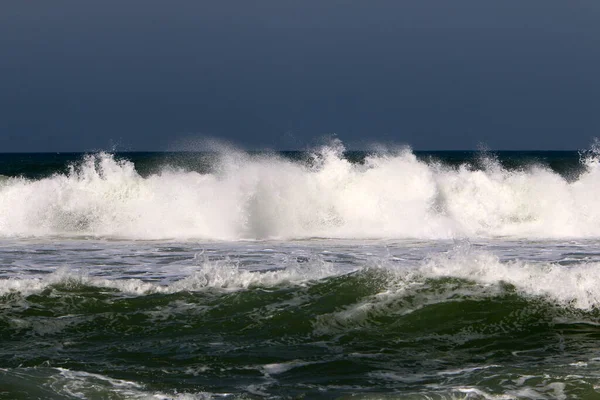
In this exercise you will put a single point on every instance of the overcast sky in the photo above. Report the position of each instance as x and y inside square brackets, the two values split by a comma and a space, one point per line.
[434, 74]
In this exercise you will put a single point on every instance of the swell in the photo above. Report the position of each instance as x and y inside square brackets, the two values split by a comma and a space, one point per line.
[386, 195]
[457, 323]
[381, 300]
[345, 334]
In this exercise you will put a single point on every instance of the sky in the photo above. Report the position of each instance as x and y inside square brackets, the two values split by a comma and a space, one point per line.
[433, 74]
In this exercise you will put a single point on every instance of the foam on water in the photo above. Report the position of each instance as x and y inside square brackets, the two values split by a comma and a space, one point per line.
[69, 384]
[482, 275]
[457, 322]
[222, 275]
[391, 195]
[568, 295]
[576, 286]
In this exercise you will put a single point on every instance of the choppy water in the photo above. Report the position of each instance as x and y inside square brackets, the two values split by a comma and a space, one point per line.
[305, 275]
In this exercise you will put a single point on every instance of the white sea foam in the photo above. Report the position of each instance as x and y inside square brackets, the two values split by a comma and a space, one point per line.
[576, 285]
[44, 382]
[409, 288]
[221, 275]
[405, 287]
[390, 196]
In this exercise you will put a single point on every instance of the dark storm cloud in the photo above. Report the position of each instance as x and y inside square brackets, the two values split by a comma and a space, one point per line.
[434, 74]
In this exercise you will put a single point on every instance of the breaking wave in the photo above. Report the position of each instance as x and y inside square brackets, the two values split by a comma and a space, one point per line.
[390, 195]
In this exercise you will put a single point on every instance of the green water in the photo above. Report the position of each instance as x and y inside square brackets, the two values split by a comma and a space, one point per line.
[337, 337]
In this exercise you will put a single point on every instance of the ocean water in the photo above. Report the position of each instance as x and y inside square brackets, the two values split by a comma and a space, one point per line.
[323, 274]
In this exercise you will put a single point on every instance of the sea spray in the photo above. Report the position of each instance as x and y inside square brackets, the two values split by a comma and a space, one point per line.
[244, 196]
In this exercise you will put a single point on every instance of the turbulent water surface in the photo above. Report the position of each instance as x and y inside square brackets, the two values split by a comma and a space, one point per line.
[317, 275]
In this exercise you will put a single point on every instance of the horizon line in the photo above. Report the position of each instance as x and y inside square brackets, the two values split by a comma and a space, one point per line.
[283, 151]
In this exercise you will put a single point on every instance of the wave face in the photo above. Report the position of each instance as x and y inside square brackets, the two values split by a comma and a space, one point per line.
[321, 194]
[458, 325]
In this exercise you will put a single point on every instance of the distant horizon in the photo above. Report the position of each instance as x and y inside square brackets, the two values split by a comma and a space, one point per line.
[295, 151]
[208, 143]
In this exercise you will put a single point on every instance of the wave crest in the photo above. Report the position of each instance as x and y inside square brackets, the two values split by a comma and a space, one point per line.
[393, 195]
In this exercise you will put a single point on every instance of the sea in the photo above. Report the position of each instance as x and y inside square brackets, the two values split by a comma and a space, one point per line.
[316, 274]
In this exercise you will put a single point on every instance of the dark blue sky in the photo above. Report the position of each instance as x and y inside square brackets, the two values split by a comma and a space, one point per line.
[435, 74]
